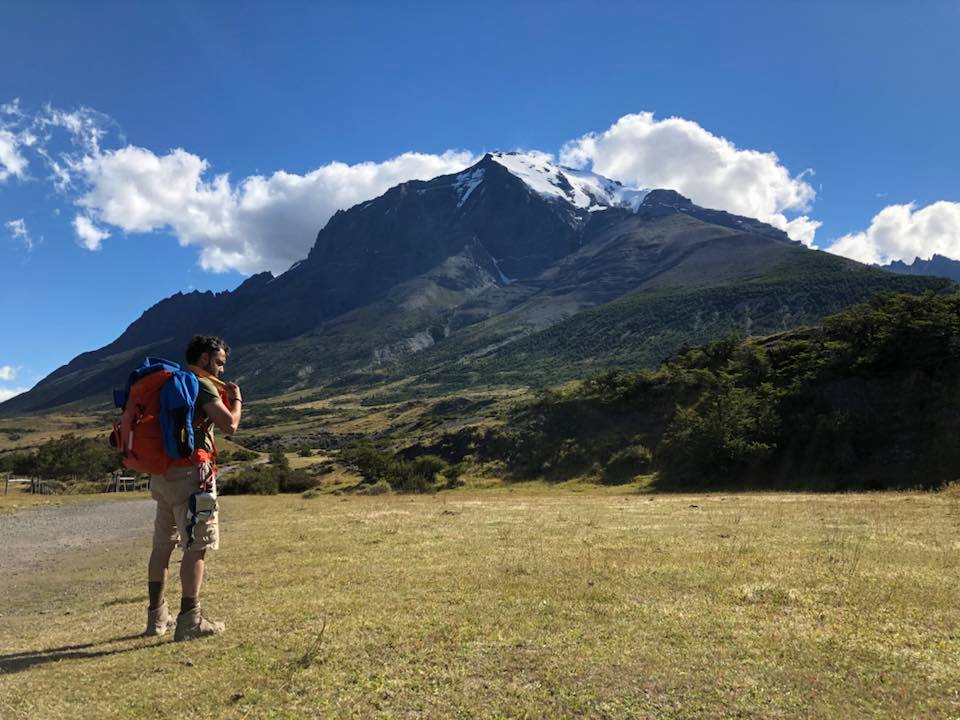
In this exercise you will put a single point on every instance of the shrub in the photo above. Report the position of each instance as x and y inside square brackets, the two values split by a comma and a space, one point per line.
[305, 451]
[452, 474]
[428, 466]
[296, 481]
[378, 488]
[624, 464]
[375, 465]
[235, 456]
[69, 457]
[278, 458]
[256, 481]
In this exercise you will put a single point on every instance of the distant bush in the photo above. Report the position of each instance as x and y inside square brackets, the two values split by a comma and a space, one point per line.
[305, 451]
[452, 474]
[238, 455]
[624, 464]
[278, 457]
[65, 458]
[378, 488]
[268, 480]
[295, 481]
[253, 482]
[374, 465]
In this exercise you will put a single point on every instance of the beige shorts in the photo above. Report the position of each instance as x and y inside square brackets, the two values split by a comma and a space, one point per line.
[173, 521]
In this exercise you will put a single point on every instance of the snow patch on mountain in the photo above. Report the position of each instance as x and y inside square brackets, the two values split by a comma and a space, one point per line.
[466, 183]
[503, 278]
[583, 189]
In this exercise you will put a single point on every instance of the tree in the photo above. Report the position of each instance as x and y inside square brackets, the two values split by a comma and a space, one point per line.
[278, 458]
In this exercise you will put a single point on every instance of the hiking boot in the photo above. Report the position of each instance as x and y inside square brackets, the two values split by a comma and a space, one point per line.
[192, 625]
[157, 621]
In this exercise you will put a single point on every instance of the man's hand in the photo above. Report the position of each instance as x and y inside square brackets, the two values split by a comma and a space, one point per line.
[226, 419]
[233, 391]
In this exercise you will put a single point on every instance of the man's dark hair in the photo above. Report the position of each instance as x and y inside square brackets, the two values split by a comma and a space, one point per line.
[200, 344]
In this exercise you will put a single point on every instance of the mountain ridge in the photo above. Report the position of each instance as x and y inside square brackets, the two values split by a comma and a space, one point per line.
[445, 268]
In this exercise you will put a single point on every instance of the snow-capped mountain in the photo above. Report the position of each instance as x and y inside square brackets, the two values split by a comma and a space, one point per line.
[469, 262]
[581, 188]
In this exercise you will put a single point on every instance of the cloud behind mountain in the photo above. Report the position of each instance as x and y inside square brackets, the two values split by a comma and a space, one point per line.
[269, 221]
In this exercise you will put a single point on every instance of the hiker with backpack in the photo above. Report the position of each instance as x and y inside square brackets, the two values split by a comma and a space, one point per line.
[166, 429]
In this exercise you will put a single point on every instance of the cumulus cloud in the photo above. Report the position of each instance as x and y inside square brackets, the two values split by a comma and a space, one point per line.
[7, 372]
[261, 222]
[267, 222]
[679, 154]
[7, 393]
[15, 136]
[88, 233]
[903, 232]
[18, 231]
[12, 162]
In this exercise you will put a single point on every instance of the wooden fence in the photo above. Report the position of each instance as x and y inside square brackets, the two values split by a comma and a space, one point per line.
[38, 486]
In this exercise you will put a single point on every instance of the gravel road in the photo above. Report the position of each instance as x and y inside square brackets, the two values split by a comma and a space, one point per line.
[35, 537]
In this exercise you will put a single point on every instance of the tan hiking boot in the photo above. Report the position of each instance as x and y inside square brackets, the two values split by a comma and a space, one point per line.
[192, 625]
[157, 621]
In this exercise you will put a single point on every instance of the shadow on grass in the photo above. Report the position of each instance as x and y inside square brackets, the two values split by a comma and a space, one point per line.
[15, 662]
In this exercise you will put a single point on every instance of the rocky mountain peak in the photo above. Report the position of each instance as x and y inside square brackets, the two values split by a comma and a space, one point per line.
[667, 198]
[582, 189]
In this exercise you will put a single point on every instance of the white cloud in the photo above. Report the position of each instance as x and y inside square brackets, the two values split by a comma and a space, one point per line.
[86, 126]
[18, 231]
[90, 235]
[13, 138]
[7, 372]
[7, 393]
[902, 232]
[679, 154]
[262, 222]
[12, 162]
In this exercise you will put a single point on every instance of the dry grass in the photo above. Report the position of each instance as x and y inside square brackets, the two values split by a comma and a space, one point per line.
[518, 604]
[18, 497]
[23, 433]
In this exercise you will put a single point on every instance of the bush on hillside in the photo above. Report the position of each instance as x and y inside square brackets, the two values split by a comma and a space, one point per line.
[627, 463]
[866, 400]
[64, 458]
[278, 458]
[382, 487]
[416, 476]
[267, 480]
[235, 456]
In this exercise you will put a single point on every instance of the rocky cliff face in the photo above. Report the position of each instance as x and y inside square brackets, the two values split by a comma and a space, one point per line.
[936, 266]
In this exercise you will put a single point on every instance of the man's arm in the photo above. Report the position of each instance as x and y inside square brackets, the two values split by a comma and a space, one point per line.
[226, 420]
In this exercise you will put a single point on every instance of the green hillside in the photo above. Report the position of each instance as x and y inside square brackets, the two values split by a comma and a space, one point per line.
[642, 329]
[867, 399]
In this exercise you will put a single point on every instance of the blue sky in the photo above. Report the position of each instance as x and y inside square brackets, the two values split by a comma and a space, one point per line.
[861, 93]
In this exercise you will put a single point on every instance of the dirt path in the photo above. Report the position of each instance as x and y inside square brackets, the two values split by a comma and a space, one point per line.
[36, 537]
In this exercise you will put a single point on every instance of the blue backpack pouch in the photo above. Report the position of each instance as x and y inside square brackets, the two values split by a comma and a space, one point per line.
[178, 399]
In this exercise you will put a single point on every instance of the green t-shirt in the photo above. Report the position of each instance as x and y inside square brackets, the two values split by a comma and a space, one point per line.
[208, 393]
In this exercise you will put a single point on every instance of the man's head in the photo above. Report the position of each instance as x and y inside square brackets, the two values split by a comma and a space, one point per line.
[208, 353]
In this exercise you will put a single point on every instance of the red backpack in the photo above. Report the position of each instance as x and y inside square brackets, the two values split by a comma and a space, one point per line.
[139, 434]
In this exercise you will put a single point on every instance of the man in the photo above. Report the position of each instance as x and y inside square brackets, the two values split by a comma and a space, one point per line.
[180, 518]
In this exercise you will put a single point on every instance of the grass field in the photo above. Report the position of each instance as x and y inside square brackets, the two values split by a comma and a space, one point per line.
[523, 603]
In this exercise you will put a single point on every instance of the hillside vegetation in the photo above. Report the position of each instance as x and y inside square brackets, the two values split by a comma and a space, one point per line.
[867, 399]
[643, 329]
